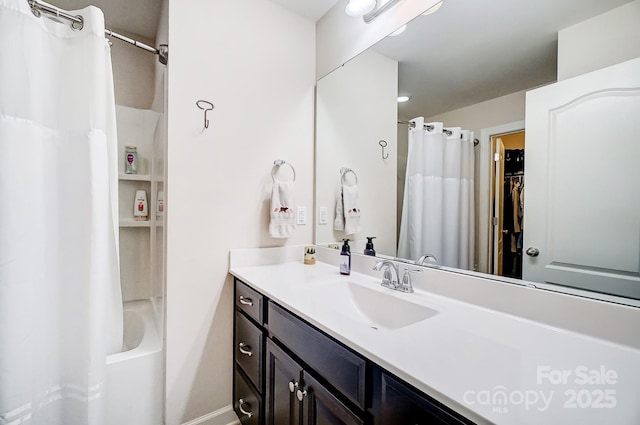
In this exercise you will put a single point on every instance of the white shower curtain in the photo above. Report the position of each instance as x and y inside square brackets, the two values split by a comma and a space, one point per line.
[60, 297]
[438, 208]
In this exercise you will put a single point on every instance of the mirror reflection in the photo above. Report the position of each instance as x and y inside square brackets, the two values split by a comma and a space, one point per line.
[466, 70]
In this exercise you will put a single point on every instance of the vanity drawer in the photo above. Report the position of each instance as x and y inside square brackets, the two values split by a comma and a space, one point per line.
[342, 368]
[248, 345]
[246, 402]
[249, 301]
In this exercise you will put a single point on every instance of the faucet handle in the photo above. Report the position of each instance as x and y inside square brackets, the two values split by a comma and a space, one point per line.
[406, 285]
[390, 276]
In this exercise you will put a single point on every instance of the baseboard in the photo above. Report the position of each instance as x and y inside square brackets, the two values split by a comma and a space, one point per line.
[224, 416]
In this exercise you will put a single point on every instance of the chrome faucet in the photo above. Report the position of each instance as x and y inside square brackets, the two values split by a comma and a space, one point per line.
[390, 277]
[429, 260]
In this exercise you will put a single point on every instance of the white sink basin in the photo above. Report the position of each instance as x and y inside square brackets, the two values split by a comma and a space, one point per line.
[377, 308]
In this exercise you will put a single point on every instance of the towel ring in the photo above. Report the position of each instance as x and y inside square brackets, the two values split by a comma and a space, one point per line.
[276, 166]
[344, 171]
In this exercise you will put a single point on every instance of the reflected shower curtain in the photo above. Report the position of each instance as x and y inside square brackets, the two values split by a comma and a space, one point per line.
[438, 208]
[60, 297]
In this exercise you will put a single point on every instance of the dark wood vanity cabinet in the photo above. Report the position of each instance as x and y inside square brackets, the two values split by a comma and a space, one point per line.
[395, 402]
[294, 397]
[248, 355]
[287, 372]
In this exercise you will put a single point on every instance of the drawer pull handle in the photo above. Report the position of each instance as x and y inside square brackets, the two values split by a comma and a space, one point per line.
[301, 394]
[245, 349]
[293, 385]
[246, 301]
[244, 412]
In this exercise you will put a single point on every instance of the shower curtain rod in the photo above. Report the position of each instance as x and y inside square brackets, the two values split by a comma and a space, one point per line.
[426, 127]
[476, 142]
[77, 22]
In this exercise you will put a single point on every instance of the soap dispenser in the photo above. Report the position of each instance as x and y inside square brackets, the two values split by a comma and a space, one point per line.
[345, 258]
[368, 250]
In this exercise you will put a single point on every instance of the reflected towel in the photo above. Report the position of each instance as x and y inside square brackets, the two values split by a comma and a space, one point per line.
[338, 223]
[283, 223]
[351, 209]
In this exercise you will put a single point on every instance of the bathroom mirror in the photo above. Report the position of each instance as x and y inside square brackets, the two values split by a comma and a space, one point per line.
[471, 59]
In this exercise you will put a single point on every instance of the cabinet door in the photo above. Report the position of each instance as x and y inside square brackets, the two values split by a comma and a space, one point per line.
[320, 407]
[284, 378]
[398, 404]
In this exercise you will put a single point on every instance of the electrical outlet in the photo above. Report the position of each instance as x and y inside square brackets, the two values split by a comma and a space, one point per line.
[301, 215]
[322, 215]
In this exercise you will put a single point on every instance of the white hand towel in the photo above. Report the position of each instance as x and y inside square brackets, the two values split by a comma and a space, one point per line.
[283, 222]
[351, 209]
[338, 223]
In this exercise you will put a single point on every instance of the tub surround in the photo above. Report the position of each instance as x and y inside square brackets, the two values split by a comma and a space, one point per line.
[551, 355]
[134, 376]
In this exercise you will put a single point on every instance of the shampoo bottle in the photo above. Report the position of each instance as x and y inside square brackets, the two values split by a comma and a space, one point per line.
[345, 258]
[368, 250]
[140, 211]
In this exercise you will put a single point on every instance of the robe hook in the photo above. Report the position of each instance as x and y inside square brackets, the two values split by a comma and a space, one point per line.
[206, 107]
[383, 144]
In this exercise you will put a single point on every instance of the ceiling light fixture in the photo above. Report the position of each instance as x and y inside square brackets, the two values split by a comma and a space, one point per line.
[433, 9]
[402, 99]
[398, 31]
[358, 8]
[368, 9]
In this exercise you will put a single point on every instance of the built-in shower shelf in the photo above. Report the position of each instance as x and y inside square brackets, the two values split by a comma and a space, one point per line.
[134, 223]
[135, 177]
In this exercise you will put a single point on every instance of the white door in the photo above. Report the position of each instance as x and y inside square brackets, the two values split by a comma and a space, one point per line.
[582, 193]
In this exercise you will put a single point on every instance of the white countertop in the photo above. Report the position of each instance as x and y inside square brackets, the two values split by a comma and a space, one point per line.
[490, 366]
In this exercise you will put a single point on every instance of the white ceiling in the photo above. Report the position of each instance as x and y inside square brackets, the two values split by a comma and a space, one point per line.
[471, 51]
[312, 9]
[467, 52]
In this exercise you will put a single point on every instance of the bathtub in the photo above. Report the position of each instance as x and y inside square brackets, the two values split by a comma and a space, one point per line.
[135, 376]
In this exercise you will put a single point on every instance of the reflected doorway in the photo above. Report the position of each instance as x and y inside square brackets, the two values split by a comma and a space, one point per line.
[507, 203]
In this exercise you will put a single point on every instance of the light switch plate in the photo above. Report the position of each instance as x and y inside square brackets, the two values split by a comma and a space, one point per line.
[301, 215]
[322, 215]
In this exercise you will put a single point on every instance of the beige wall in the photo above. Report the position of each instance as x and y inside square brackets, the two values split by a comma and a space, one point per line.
[490, 113]
[133, 72]
[255, 61]
[604, 40]
[356, 107]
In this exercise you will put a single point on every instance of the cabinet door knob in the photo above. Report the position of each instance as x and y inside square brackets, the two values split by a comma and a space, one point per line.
[246, 301]
[532, 251]
[241, 402]
[293, 385]
[301, 394]
[245, 349]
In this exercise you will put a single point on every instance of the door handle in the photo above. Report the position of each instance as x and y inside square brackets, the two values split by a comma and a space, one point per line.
[532, 251]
